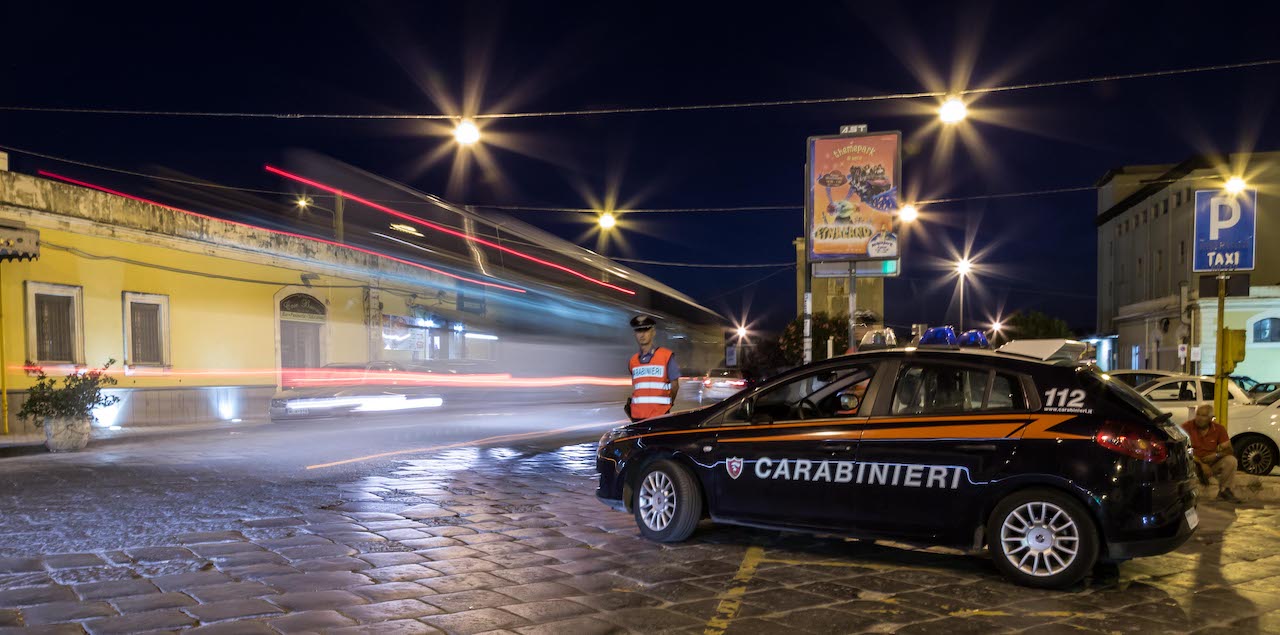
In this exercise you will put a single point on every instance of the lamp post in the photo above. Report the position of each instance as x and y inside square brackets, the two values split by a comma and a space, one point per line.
[963, 267]
[304, 203]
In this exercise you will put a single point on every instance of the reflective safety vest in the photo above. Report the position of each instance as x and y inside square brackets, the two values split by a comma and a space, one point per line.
[650, 386]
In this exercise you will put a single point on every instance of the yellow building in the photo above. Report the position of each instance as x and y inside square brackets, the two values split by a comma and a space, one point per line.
[202, 315]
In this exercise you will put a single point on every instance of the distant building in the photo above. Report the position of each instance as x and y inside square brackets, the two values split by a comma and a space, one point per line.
[1147, 293]
[831, 295]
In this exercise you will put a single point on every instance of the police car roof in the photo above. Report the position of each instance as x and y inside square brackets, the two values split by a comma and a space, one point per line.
[1003, 355]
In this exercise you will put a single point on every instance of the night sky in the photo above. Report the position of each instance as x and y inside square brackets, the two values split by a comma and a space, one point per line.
[422, 57]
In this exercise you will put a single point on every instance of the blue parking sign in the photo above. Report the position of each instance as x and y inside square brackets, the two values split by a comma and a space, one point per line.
[1225, 230]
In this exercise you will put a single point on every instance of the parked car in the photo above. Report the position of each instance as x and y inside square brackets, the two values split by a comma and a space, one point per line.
[1180, 393]
[1254, 387]
[1255, 434]
[1139, 377]
[343, 389]
[722, 383]
[1048, 464]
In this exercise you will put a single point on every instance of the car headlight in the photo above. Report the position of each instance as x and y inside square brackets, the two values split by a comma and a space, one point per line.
[610, 437]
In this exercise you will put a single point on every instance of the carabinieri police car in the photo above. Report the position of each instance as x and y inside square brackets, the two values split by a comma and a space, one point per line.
[1047, 462]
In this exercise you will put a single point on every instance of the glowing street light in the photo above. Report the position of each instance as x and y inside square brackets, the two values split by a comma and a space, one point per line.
[466, 133]
[303, 202]
[908, 213]
[953, 111]
[607, 221]
[1235, 185]
[996, 327]
[742, 332]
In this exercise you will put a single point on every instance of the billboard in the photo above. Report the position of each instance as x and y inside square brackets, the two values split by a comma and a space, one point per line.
[851, 200]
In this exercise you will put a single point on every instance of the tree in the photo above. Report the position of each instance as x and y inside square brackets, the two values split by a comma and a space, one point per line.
[1036, 325]
[824, 326]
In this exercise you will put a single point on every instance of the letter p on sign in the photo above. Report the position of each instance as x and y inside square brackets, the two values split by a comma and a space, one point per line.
[1217, 220]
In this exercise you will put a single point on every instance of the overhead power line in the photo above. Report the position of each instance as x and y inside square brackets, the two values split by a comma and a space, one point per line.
[647, 109]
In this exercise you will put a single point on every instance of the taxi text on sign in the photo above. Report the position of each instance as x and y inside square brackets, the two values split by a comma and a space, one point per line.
[1225, 230]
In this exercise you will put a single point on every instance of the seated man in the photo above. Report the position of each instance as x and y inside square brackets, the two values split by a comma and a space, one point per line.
[1211, 449]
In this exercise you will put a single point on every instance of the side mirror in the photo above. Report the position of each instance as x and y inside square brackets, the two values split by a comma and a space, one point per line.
[849, 402]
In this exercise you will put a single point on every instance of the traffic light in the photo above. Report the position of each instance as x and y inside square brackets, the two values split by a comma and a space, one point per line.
[1234, 352]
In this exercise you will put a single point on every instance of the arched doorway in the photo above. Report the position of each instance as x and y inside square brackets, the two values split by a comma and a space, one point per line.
[302, 320]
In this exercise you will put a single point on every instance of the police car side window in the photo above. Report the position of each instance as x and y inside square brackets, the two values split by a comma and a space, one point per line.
[1006, 394]
[937, 389]
[813, 396]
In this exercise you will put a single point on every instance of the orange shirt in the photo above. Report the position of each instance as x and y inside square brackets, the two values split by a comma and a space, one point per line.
[1205, 444]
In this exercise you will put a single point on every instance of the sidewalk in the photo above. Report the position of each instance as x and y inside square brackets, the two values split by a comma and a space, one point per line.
[34, 443]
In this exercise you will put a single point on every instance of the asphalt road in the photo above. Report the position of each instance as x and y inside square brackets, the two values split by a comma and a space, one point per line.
[138, 490]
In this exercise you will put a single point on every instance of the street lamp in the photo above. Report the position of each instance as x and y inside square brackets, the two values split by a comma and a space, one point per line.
[1235, 185]
[607, 220]
[466, 133]
[742, 332]
[303, 202]
[953, 111]
[963, 267]
[908, 213]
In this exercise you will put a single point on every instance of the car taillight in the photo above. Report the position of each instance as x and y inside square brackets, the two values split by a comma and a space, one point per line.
[738, 382]
[1132, 440]
[707, 383]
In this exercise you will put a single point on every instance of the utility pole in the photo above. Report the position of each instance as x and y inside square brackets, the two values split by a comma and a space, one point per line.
[337, 218]
[1220, 375]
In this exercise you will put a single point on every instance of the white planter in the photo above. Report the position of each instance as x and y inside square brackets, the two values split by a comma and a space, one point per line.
[66, 435]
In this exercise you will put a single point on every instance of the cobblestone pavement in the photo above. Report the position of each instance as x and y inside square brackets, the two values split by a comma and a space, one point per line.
[504, 540]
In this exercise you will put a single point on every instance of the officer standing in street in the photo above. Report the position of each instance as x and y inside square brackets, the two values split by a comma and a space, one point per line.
[655, 376]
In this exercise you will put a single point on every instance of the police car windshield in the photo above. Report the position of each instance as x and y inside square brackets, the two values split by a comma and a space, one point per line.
[1124, 393]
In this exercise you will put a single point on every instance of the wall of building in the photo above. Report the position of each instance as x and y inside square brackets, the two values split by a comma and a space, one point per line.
[1145, 253]
[223, 285]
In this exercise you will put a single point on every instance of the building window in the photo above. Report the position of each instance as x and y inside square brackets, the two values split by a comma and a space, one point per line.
[1139, 267]
[1177, 199]
[1164, 207]
[55, 324]
[1135, 357]
[1267, 330]
[302, 324]
[146, 329]
[1182, 253]
[1159, 260]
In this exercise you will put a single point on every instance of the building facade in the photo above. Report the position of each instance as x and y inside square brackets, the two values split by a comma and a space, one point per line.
[207, 318]
[831, 295]
[1148, 295]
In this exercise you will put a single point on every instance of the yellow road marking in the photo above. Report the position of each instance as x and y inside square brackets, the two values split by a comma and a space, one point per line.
[463, 444]
[731, 600]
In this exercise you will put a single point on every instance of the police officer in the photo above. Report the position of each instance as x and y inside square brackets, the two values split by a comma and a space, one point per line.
[655, 376]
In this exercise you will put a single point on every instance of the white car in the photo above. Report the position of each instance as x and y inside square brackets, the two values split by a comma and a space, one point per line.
[1135, 378]
[1255, 434]
[1181, 393]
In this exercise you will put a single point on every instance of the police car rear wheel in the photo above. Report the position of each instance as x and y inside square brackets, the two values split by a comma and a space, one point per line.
[1042, 538]
[668, 503]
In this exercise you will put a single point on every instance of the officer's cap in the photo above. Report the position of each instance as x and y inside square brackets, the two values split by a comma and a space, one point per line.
[643, 322]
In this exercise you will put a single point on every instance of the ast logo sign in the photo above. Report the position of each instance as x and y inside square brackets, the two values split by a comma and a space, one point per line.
[735, 467]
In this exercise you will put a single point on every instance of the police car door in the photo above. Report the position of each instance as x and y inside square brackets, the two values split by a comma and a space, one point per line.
[783, 452]
[942, 432]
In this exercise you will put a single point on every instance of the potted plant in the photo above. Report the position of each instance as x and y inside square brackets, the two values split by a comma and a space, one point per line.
[66, 412]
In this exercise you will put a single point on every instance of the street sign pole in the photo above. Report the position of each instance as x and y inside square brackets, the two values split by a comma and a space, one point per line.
[1220, 376]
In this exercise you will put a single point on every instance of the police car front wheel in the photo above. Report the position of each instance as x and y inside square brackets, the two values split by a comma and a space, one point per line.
[668, 504]
[1042, 538]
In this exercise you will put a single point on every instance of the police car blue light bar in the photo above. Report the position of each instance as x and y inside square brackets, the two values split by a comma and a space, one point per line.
[974, 339]
[940, 336]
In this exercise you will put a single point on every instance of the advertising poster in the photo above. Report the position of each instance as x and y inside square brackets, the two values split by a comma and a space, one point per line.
[852, 205]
